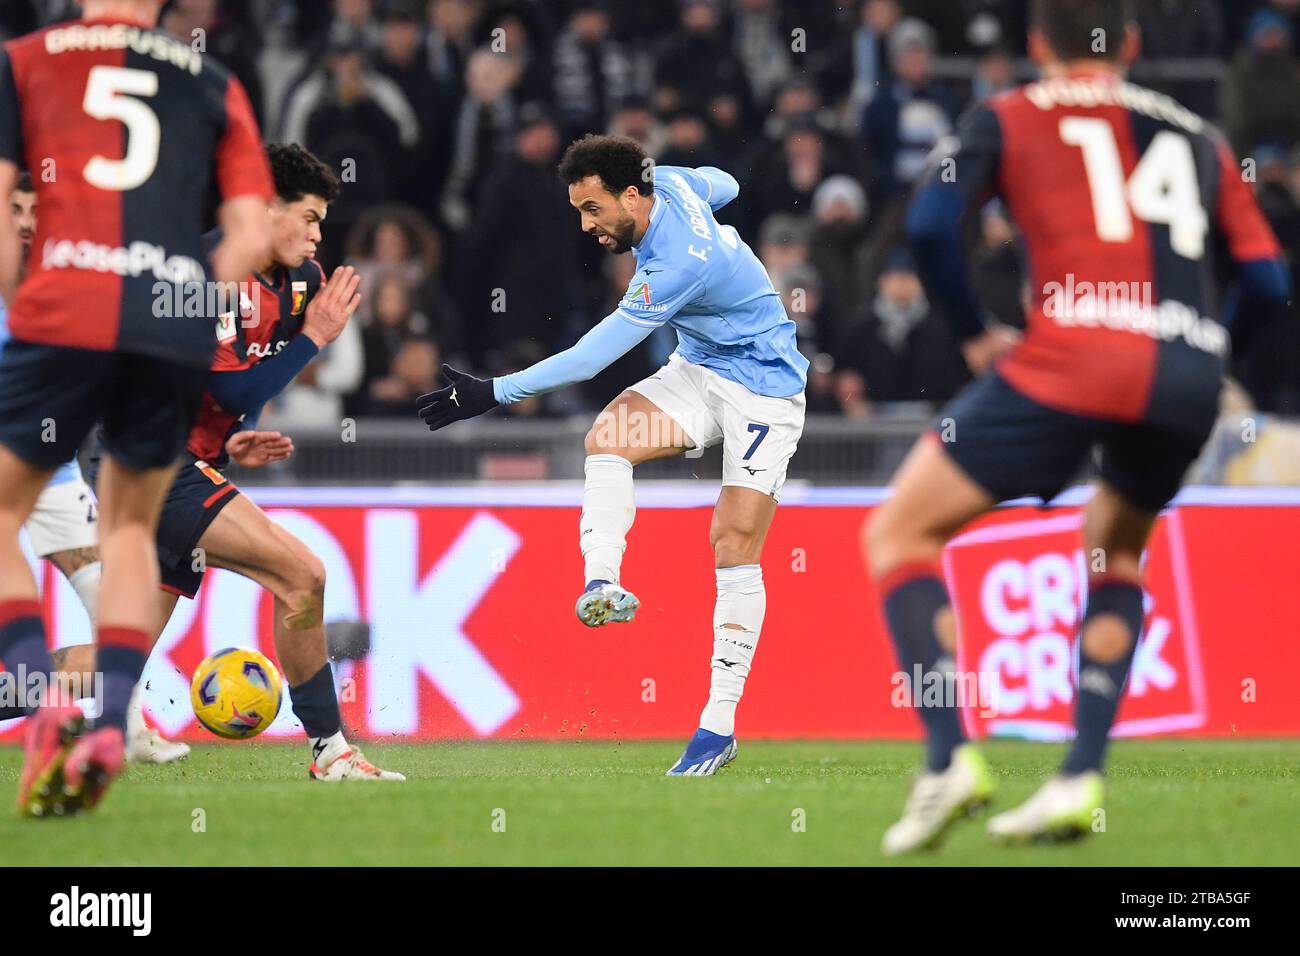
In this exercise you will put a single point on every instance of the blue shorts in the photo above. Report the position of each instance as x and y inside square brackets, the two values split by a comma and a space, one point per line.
[51, 396]
[196, 496]
[1014, 447]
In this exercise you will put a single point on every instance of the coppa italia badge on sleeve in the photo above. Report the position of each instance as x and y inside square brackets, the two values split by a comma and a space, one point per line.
[299, 297]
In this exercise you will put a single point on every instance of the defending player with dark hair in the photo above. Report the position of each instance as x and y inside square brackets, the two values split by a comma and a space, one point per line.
[298, 173]
[24, 184]
[1083, 29]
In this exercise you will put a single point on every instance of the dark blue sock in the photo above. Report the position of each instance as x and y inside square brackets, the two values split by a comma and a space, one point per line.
[119, 658]
[25, 656]
[1101, 683]
[910, 608]
[316, 704]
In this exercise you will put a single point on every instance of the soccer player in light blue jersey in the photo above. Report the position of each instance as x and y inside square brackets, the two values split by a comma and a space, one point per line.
[737, 378]
[64, 530]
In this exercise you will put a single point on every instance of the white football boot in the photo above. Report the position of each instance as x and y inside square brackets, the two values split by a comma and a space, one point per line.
[143, 743]
[345, 762]
[938, 800]
[606, 603]
[1063, 808]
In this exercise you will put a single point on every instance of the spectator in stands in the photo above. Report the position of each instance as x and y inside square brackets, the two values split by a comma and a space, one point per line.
[839, 248]
[870, 52]
[448, 46]
[995, 73]
[353, 23]
[821, 394]
[511, 27]
[414, 372]
[788, 185]
[593, 72]
[524, 245]
[688, 141]
[1258, 99]
[393, 320]
[402, 59]
[800, 288]
[315, 399]
[851, 393]
[484, 129]
[1267, 362]
[908, 117]
[1180, 29]
[784, 242]
[356, 121]
[633, 117]
[903, 350]
[762, 44]
[697, 63]
[517, 357]
[201, 22]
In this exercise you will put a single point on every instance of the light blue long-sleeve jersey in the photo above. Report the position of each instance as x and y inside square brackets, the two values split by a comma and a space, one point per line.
[697, 276]
[71, 470]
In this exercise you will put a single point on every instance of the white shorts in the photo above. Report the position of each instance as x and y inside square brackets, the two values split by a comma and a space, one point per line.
[64, 519]
[758, 433]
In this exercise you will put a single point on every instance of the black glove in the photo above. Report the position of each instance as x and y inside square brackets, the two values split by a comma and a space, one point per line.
[465, 397]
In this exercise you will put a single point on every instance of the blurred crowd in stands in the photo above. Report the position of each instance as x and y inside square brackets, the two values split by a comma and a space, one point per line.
[446, 119]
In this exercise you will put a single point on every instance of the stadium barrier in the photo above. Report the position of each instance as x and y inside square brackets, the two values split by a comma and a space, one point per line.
[468, 593]
[832, 450]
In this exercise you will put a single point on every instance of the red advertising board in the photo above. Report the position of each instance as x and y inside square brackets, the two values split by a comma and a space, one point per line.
[473, 632]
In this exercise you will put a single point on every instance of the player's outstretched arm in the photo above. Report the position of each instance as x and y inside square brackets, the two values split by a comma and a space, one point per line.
[959, 180]
[467, 396]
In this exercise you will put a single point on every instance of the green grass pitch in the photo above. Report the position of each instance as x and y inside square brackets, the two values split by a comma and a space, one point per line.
[1171, 802]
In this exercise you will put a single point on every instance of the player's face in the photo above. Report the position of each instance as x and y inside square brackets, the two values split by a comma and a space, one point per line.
[604, 215]
[295, 230]
[22, 205]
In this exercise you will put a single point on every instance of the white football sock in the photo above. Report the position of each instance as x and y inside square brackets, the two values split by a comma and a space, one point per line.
[608, 507]
[85, 581]
[742, 600]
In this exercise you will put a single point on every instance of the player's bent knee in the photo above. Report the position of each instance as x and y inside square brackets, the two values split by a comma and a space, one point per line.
[1106, 638]
[733, 548]
[304, 610]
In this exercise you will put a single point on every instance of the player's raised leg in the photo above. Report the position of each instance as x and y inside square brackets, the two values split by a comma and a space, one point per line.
[23, 649]
[68, 507]
[130, 500]
[932, 498]
[243, 539]
[632, 429]
[1066, 805]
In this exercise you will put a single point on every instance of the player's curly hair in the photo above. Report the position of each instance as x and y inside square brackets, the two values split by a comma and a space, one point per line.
[1071, 26]
[298, 173]
[619, 161]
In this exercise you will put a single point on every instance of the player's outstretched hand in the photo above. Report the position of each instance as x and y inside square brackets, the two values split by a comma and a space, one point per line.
[332, 306]
[255, 449]
[465, 397]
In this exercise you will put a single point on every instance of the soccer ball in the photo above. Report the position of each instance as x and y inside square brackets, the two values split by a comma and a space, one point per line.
[236, 693]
